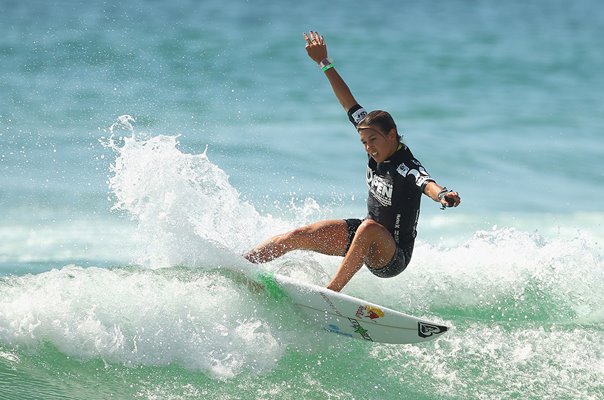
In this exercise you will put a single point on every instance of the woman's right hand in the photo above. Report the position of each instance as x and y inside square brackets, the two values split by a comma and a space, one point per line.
[315, 46]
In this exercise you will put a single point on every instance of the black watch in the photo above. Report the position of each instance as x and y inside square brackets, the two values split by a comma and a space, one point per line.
[325, 62]
[442, 193]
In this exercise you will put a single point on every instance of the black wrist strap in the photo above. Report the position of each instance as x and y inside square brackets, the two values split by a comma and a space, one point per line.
[441, 196]
[442, 193]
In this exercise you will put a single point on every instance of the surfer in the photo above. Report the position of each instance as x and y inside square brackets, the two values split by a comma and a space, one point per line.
[384, 239]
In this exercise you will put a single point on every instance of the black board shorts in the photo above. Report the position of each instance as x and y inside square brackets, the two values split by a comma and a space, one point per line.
[400, 260]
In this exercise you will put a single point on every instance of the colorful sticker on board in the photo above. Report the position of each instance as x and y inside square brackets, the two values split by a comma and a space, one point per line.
[369, 312]
[336, 329]
[364, 333]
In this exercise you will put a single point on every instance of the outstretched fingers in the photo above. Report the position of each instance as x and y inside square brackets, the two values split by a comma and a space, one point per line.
[315, 46]
[313, 38]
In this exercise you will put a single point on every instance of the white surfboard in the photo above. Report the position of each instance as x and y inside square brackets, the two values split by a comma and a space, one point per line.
[352, 317]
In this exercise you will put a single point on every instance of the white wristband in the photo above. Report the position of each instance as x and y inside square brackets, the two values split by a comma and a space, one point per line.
[325, 63]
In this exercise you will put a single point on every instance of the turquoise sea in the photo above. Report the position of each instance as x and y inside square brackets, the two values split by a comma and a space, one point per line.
[146, 144]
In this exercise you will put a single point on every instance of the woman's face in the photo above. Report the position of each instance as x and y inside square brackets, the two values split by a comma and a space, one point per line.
[378, 145]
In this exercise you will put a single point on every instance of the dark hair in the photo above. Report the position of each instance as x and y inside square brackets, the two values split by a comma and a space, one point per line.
[379, 119]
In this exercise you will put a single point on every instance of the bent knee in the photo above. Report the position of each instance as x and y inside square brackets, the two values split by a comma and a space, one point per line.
[370, 227]
[373, 232]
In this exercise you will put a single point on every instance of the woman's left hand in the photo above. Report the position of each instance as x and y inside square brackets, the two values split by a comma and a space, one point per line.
[451, 199]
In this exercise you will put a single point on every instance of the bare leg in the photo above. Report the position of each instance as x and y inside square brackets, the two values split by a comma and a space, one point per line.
[372, 245]
[326, 237]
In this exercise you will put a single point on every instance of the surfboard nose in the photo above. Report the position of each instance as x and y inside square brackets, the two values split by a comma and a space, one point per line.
[426, 330]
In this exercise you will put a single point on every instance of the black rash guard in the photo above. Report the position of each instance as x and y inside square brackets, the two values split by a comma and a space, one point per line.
[395, 190]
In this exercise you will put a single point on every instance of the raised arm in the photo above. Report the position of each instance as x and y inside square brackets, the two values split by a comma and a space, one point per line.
[317, 51]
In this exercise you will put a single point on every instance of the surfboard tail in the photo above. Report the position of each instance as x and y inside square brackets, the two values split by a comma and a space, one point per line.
[271, 286]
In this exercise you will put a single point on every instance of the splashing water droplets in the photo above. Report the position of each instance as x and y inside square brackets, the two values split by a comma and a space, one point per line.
[187, 211]
[123, 122]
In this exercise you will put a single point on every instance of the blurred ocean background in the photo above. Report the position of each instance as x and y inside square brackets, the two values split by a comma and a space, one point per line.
[146, 144]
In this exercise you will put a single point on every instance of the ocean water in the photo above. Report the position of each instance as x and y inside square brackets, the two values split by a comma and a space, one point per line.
[145, 145]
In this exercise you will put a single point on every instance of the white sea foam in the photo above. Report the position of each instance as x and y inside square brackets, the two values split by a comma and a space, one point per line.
[500, 275]
[527, 362]
[187, 211]
[526, 314]
[523, 308]
[203, 322]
